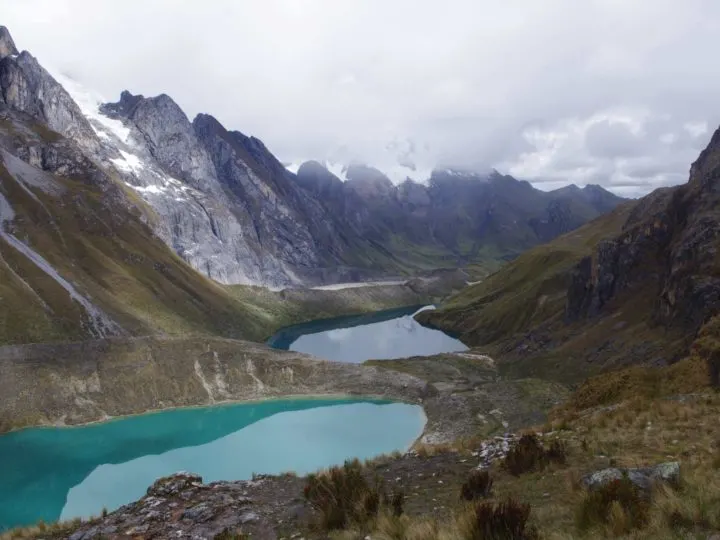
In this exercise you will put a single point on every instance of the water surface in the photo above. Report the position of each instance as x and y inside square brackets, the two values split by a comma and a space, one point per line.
[381, 335]
[61, 473]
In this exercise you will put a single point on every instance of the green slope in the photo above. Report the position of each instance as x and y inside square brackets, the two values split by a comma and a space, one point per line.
[93, 233]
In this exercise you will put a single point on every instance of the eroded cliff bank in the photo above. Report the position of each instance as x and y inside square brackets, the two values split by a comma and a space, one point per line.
[66, 384]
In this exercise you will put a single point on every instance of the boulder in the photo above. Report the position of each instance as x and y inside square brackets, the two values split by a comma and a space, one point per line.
[172, 485]
[644, 478]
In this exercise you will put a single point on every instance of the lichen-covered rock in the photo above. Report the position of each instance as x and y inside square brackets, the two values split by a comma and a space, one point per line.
[170, 486]
[644, 478]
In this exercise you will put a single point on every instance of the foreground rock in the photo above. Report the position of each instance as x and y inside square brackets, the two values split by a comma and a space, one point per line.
[181, 506]
[644, 478]
[268, 507]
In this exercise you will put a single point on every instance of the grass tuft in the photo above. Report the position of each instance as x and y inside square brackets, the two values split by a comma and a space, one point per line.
[529, 455]
[344, 497]
[619, 505]
[477, 486]
[500, 521]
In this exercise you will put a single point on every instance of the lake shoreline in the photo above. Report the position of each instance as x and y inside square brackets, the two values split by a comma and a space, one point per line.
[381, 400]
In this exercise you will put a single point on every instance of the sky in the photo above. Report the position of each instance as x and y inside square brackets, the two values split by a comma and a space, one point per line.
[621, 93]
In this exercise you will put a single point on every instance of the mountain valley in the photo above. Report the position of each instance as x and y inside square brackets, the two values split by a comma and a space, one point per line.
[146, 258]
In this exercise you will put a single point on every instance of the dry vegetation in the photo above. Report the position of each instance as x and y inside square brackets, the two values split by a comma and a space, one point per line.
[633, 433]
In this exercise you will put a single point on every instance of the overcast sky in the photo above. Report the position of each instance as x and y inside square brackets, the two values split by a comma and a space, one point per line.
[624, 93]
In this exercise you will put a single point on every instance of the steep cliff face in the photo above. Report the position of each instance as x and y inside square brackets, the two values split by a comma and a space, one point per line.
[7, 45]
[77, 259]
[670, 245]
[26, 86]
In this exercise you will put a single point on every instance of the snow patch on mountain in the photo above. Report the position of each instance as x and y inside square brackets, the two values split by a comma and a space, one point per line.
[128, 162]
[293, 167]
[89, 102]
[338, 169]
[400, 173]
[397, 173]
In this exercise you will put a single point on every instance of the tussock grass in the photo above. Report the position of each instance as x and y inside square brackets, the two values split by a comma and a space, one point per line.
[529, 455]
[343, 496]
[42, 529]
[618, 505]
[477, 486]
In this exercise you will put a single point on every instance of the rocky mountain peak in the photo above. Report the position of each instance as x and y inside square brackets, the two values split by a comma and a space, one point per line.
[7, 45]
[207, 123]
[26, 86]
[369, 182]
[706, 169]
[122, 108]
[314, 177]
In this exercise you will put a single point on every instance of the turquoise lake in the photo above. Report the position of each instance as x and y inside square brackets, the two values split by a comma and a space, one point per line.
[376, 336]
[61, 473]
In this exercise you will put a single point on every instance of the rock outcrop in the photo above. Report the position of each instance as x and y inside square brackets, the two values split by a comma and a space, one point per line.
[644, 478]
[667, 249]
[26, 86]
[7, 45]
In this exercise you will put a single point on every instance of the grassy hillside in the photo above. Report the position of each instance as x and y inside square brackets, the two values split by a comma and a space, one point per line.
[79, 229]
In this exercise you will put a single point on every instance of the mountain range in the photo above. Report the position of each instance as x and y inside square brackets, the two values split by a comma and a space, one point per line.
[229, 208]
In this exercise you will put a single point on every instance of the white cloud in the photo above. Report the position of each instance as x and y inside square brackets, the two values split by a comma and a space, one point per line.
[696, 129]
[469, 82]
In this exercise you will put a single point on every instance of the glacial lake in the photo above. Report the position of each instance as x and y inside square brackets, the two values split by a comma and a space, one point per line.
[375, 336]
[62, 473]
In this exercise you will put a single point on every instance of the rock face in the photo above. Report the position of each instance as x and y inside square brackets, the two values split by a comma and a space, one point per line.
[668, 248]
[181, 506]
[7, 45]
[26, 86]
[644, 478]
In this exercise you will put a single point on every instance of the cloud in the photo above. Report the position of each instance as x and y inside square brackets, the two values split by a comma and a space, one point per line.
[556, 90]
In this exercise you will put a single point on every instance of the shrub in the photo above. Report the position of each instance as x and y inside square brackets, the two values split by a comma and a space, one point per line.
[557, 453]
[397, 503]
[618, 503]
[713, 365]
[477, 486]
[528, 455]
[503, 521]
[344, 497]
